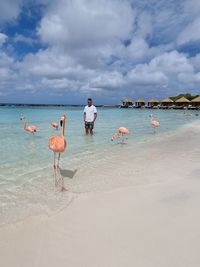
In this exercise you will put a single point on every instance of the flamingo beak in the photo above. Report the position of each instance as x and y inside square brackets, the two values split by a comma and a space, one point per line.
[61, 123]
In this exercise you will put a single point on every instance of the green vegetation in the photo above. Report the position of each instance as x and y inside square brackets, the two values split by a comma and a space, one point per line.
[188, 96]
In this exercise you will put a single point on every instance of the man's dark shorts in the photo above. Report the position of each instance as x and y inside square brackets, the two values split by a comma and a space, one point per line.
[89, 125]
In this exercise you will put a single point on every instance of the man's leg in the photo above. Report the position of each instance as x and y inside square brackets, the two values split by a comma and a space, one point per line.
[91, 128]
[86, 129]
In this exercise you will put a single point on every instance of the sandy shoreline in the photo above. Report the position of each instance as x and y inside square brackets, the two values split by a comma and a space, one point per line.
[152, 221]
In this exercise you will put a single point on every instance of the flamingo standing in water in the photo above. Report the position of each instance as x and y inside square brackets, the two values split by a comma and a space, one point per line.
[54, 125]
[154, 123]
[31, 128]
[58, 145]
[122, 131]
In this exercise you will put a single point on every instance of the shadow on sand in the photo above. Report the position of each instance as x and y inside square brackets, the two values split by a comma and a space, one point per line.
[68, 173]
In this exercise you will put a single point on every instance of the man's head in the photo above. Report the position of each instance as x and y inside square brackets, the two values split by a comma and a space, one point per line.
[89, 101]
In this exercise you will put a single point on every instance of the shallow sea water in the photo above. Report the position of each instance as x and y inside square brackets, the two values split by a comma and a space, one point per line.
[26, 172]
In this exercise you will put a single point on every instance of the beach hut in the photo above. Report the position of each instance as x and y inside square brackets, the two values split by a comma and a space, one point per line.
[196, 102]
[153, 102]
[167, 103]
[126, 103]
[182, 102]
[140, 103]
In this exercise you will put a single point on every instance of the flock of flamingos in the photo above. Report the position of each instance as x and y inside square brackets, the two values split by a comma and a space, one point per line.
[58, 143]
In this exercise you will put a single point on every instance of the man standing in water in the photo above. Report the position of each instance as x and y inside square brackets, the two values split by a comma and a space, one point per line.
[90, 115]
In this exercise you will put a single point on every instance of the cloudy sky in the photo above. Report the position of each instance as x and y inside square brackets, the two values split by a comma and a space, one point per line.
[64, 51]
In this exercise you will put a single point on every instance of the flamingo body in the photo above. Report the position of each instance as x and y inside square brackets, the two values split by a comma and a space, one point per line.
[154, 123]
[123, 130]
[54, 125]
[57, 144]
[30, 128]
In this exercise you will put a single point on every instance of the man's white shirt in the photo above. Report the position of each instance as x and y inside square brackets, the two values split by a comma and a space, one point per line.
[90, 111]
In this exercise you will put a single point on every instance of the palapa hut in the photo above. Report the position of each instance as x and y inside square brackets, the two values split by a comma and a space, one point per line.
[182, 102]
[140, 103]
[153, 102]
[127, 103]
[167, 102]
[196, 102]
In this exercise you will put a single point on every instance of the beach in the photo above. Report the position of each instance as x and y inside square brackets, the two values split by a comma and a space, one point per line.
[142, 211]
[99, 133]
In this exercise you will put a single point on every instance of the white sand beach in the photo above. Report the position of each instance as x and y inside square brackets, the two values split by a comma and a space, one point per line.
[150, 219]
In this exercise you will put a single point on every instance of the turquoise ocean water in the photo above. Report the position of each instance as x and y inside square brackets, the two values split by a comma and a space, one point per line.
[26, 173]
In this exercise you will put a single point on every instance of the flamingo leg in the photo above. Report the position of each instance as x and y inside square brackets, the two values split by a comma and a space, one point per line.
[122, 138]
[58, 165]
[62, 186]
[54, 166]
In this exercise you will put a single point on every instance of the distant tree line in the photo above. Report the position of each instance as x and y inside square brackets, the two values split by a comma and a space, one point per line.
[188, 96]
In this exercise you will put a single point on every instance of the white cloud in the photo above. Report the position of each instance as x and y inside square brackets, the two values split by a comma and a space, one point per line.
[87, 30]
[9, 9]
[138, 49]
[192, 8]
[3, 38]
[195, 61]
[7, 73]
[163, 74]
[190, 33]
[189, 78]
[24, 39]
[108, 80]
[82, 23]
[142, 76]
[145, 25]
[172, 63]
[107, 47]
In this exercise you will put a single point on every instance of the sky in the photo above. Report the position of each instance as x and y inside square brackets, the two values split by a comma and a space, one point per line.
[64, 51]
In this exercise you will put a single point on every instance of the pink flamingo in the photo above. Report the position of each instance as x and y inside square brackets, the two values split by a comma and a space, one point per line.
[54, 125]
[153, 122]
[58, 145]
[31, 128]
[122, 131]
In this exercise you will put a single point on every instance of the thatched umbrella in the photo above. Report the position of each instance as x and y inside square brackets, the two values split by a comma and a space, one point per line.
[153, 102]
[167, 102]
[127, 102]
[196, 101]
[183, 101]
[140, 103]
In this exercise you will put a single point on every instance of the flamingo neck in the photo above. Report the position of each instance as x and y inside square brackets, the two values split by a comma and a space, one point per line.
[63, 128]
[152, 118]
[25, 124]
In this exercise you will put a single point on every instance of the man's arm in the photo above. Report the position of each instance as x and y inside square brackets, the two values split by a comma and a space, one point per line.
[95, 116]
[84, 116]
